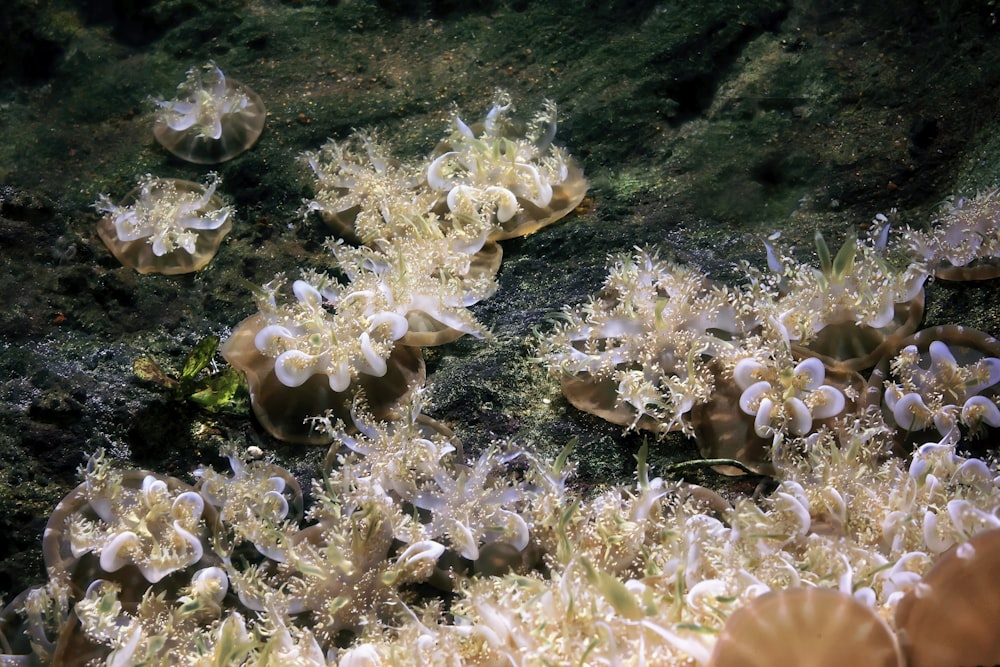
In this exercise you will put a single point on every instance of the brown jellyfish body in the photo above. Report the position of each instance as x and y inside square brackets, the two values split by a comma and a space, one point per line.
[938, 378]
[806, 627]
[20, 637]
[342, 222]
[82, 503]
[424, 330]
[725, 431]
[566, 196]
[856, 347]
[214, 118]
[317, 575]
[984, 269]
[165, 225]
[532, 212]
[639, 354]
[283, 411]
[853, 306]
[379, 185]
[363, 193]
[951, 616]
[532, 216]
[598, 395]
[73, 646]
[963, 244]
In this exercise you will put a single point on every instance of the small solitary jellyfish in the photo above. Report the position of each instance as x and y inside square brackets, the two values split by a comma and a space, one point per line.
[213, 119]
[165, 225]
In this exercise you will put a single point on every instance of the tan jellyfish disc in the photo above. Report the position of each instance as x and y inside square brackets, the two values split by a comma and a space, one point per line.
[425, 331]
[139, 255]
[849, 346]
[343, 222]
[240, 131]
[73, 646]
[968, 345]
[566, 196]
[806, 627]
[282, 410]
[599, 396]
[968, 234]
[56, 544]
[952, 617]
[724, 431]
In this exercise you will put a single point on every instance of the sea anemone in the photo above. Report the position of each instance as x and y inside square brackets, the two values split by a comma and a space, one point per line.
[213, 119]
[165, 225]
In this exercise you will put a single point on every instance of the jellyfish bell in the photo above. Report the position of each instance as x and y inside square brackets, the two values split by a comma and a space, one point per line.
[165, 225]
[213, 119]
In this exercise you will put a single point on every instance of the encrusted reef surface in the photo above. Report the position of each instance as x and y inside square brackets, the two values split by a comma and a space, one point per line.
[701, 127]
